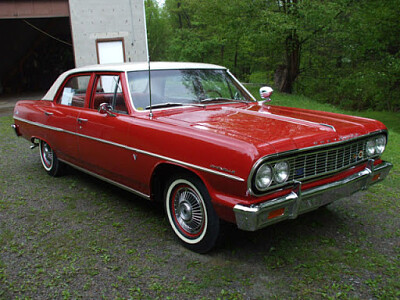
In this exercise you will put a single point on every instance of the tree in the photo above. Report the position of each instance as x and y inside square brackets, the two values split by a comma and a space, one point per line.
[345, 51]
[213, 31]
[293, 26]
[158, 31]
[354, 62]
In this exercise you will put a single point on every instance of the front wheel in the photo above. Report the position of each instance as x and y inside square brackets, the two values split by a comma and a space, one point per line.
[49, 160]
[191, 214]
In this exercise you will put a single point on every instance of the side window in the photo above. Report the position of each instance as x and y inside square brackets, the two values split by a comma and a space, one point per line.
[109, 90]
[74, 91]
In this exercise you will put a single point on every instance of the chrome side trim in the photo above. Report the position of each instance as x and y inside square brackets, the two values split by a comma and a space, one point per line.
[163, 157]
[127, 188]
[179, 162]
[40, 125]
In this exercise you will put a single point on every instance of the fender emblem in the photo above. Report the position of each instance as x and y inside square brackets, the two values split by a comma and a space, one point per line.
[222, 169]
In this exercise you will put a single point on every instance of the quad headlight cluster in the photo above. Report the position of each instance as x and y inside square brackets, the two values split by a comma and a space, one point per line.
[267, 173]
[376, 145]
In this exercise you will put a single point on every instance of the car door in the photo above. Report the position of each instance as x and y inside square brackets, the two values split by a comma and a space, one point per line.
[62, 115]
[102, 137]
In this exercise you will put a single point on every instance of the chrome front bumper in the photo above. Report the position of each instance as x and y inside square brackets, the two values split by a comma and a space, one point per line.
[297, 202]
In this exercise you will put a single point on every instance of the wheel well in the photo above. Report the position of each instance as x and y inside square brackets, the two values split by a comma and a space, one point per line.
[35, 140]
[160, 177]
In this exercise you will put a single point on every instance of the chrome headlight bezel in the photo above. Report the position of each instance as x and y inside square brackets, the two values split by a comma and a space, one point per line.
[380, 144]
[263, 177]
[281, 172]
[376, 145]
[269, 173]
[370, 147]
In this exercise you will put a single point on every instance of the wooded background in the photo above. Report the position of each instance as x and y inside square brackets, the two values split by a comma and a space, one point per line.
[344, 52]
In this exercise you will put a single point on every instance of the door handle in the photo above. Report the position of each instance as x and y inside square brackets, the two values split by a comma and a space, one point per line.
[80, 120]
[48, 113]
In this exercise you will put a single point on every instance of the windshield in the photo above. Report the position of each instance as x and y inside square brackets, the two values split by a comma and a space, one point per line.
[183, 87]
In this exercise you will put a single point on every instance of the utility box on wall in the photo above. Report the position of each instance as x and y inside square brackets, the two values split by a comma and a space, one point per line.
[106, 31]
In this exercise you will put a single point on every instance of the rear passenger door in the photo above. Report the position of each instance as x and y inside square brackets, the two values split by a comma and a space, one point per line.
[102, 136]
[62, 115]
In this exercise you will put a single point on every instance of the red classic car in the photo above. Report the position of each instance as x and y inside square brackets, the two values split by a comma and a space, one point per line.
[192, 137]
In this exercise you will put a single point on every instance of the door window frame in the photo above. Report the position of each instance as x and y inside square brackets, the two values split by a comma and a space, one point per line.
[57, 98]
[95, 80]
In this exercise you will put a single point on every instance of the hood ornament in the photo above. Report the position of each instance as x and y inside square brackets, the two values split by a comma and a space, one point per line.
[265, 93]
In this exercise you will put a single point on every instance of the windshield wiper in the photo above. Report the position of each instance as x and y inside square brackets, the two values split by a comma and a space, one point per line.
[171, 104]
[222, 99]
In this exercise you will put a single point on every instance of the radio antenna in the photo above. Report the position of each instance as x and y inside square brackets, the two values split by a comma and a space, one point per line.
[151, 109]
[148, 57]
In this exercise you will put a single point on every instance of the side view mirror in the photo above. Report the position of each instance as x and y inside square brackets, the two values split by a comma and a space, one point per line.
[265, 93]
[106, 108]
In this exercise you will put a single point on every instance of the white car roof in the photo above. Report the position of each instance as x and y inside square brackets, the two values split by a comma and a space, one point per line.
[126, 67]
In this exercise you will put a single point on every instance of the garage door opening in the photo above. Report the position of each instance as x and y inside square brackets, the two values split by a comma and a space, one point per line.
[35, 51]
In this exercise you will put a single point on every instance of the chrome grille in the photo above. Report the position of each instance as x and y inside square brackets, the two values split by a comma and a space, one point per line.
[315, 162]
[324, 161]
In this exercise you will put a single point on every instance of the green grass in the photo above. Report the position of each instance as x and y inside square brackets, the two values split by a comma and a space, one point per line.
[390, 119]
[75, 237]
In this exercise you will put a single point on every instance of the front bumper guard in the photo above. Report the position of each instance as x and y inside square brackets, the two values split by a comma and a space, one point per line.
[297, 202]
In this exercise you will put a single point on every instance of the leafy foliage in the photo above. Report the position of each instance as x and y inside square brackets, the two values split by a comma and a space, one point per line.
[344, 52]
[158, 31]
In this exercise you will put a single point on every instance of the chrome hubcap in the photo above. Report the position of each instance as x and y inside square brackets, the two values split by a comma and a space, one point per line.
[185, 211]
[47, 155]
[189, 211]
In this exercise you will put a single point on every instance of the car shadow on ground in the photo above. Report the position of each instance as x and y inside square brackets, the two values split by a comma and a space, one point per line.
[322, 222]
[316, 223]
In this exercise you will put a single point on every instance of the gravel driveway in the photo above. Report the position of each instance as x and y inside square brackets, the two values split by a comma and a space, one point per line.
[77, 237]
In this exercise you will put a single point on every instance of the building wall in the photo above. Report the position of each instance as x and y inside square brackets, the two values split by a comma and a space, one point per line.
[13, 9]
[94, 20]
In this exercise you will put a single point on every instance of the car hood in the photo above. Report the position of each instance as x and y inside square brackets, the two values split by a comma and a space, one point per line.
[282, 128]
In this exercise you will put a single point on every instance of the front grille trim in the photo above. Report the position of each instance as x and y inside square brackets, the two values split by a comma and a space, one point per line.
[317, 162]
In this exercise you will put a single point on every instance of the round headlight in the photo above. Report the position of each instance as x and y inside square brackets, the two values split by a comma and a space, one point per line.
[263, 177]
[380, 144]
[281, 172]
[370, 147]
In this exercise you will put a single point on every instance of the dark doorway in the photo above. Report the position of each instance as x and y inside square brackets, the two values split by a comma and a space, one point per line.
[34, 52]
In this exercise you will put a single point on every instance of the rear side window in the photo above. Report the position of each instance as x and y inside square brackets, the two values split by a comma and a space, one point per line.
[74, 91]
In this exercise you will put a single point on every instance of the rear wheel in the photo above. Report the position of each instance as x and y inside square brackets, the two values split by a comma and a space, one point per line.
[190, 213]
[49, 160]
